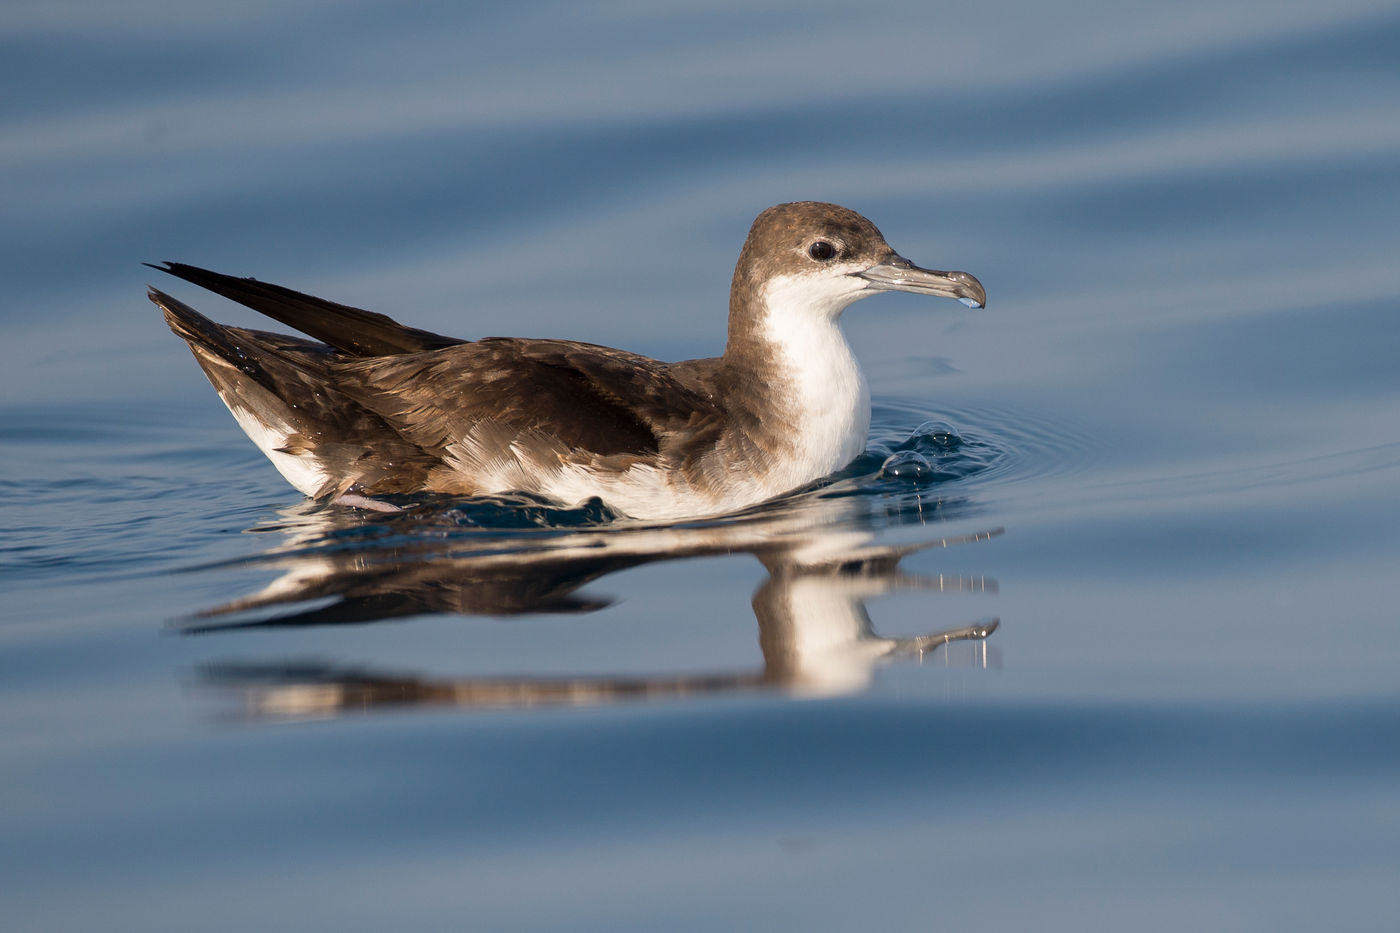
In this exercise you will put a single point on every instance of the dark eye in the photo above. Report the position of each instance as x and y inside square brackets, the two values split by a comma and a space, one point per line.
[821, 251]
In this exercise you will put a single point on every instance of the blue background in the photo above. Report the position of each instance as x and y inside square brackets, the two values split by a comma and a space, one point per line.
[1185, 218]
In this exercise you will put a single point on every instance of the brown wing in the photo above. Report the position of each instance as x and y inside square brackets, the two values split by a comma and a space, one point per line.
[396, 409]
[592, 399]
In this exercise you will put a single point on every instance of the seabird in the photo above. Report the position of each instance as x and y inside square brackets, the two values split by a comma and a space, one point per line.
[369, 407]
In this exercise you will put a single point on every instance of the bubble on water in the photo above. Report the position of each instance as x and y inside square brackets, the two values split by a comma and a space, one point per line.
[939, 433]
[908, 465]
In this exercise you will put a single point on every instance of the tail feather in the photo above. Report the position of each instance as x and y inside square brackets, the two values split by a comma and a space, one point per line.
[282, 393]
[203, 334]
[350, 330]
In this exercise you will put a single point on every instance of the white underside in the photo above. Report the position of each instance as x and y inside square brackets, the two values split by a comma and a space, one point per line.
[301, 471]
[268, 431]
[649, 493]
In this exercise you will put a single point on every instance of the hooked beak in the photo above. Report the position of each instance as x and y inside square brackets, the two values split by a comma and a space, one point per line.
[900, 275]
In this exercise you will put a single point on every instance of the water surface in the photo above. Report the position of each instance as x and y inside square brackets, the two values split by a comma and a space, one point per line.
[1122, 657]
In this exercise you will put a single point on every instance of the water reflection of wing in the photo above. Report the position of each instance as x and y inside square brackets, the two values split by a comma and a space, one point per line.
[414, 570]
[337, 591]
[814, 632]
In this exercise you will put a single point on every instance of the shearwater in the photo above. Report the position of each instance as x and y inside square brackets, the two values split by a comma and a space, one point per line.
[369, 407]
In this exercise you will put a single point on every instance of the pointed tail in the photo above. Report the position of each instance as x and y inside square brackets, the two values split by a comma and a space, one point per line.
[350, 330]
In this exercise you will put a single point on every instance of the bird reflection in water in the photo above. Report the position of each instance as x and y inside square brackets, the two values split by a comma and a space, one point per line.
[816, 638]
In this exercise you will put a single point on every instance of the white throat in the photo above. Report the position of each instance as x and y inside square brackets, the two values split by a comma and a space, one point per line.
[828, 400]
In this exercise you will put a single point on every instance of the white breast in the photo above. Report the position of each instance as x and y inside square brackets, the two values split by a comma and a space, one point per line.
[828, 400]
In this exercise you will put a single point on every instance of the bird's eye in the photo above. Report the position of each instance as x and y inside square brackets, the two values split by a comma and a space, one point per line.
[821, 251]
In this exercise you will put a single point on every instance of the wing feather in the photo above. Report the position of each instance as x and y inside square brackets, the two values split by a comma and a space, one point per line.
[592, 399]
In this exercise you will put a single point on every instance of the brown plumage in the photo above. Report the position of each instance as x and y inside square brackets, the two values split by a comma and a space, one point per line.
[372, 407]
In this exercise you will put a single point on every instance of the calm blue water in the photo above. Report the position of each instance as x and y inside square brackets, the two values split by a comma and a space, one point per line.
[1165, 462]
